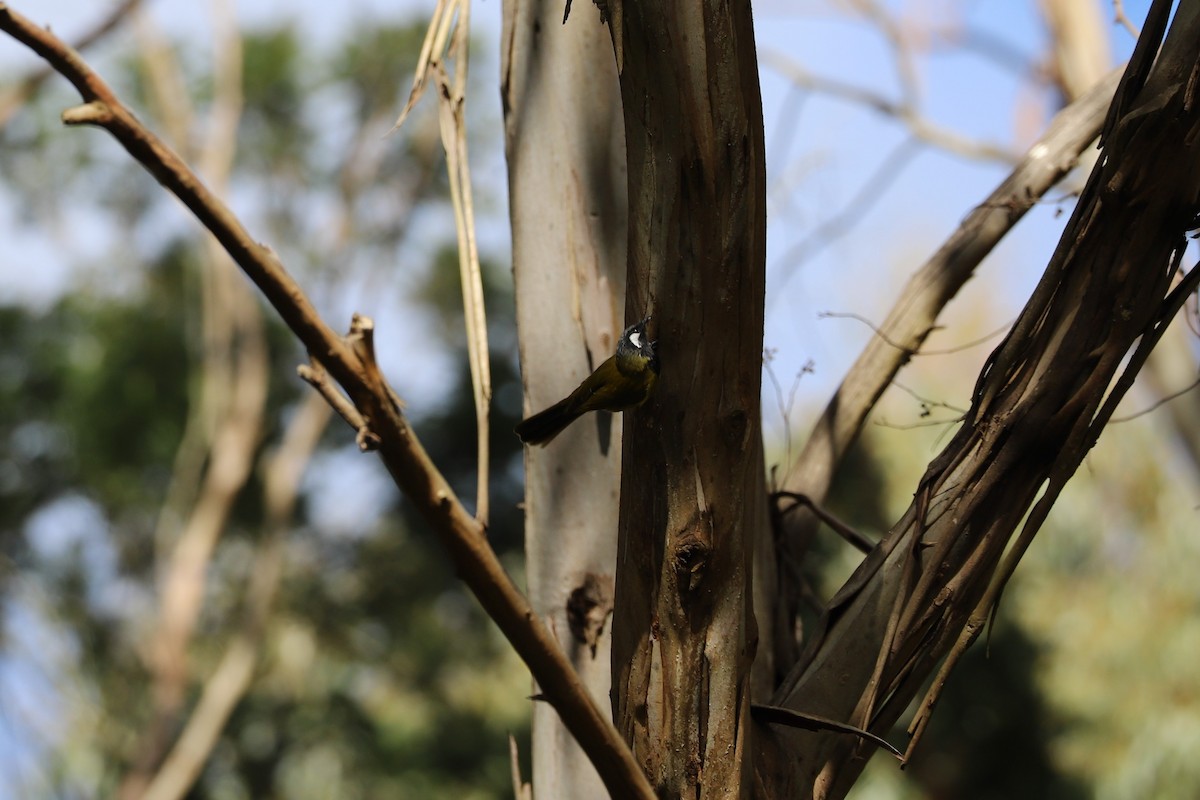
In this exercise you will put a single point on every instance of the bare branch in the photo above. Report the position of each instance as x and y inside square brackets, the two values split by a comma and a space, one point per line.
[915, 312]
[316, 377]
[919, 127]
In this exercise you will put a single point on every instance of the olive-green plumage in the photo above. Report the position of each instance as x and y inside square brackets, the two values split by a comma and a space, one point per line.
[622, 382]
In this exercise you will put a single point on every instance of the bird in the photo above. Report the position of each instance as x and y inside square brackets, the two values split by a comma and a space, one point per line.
[622, 382]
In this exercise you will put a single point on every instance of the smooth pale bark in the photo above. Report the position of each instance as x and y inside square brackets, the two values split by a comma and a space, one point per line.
[567, 197]
[692, 491]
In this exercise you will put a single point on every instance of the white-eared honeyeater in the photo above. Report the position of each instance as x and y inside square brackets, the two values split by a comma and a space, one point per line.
[622, 382]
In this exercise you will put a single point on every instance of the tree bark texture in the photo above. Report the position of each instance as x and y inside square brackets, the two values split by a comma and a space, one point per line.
[566, 164]
[1039, 405]
[692, 492]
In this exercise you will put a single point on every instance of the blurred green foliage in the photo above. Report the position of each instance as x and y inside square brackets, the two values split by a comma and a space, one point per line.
[379, 676]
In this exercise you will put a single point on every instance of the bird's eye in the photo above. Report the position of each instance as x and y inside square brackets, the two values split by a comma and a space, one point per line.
[636, 339]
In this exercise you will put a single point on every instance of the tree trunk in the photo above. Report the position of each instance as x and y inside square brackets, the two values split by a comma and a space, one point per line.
[692, 493]
[566, 165]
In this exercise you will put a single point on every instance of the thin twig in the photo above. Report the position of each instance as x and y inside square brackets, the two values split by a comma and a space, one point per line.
[927, 423]
[787, 405]
[777, 715]
[400, 449]
[1162, 401]
[919, 127]
[1119, 16]
[860, 542]
[928, 402]
[945, 351]
[315, 376]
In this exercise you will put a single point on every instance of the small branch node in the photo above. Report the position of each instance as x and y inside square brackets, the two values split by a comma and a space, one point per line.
[362, 341]
[367, 440]
[96, 112]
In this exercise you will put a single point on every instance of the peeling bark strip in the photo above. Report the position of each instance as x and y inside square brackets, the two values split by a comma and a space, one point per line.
[691, 493]
[1041, 402]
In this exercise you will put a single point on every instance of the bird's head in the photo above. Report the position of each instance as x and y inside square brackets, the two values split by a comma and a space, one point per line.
[635, 351]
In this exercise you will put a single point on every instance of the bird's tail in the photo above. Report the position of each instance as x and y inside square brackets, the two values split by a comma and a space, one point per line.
[545, 425]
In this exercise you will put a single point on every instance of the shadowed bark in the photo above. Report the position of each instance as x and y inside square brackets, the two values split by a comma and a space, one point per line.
[684, 634]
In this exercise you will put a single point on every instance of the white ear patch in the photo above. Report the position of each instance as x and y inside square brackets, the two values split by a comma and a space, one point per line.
[636, 338]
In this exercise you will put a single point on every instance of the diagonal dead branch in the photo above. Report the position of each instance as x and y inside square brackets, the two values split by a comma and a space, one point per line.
[915, 312]
[985, 609]
[399, 448]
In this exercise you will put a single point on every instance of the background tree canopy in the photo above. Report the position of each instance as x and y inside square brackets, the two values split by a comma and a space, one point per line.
[377, 675]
